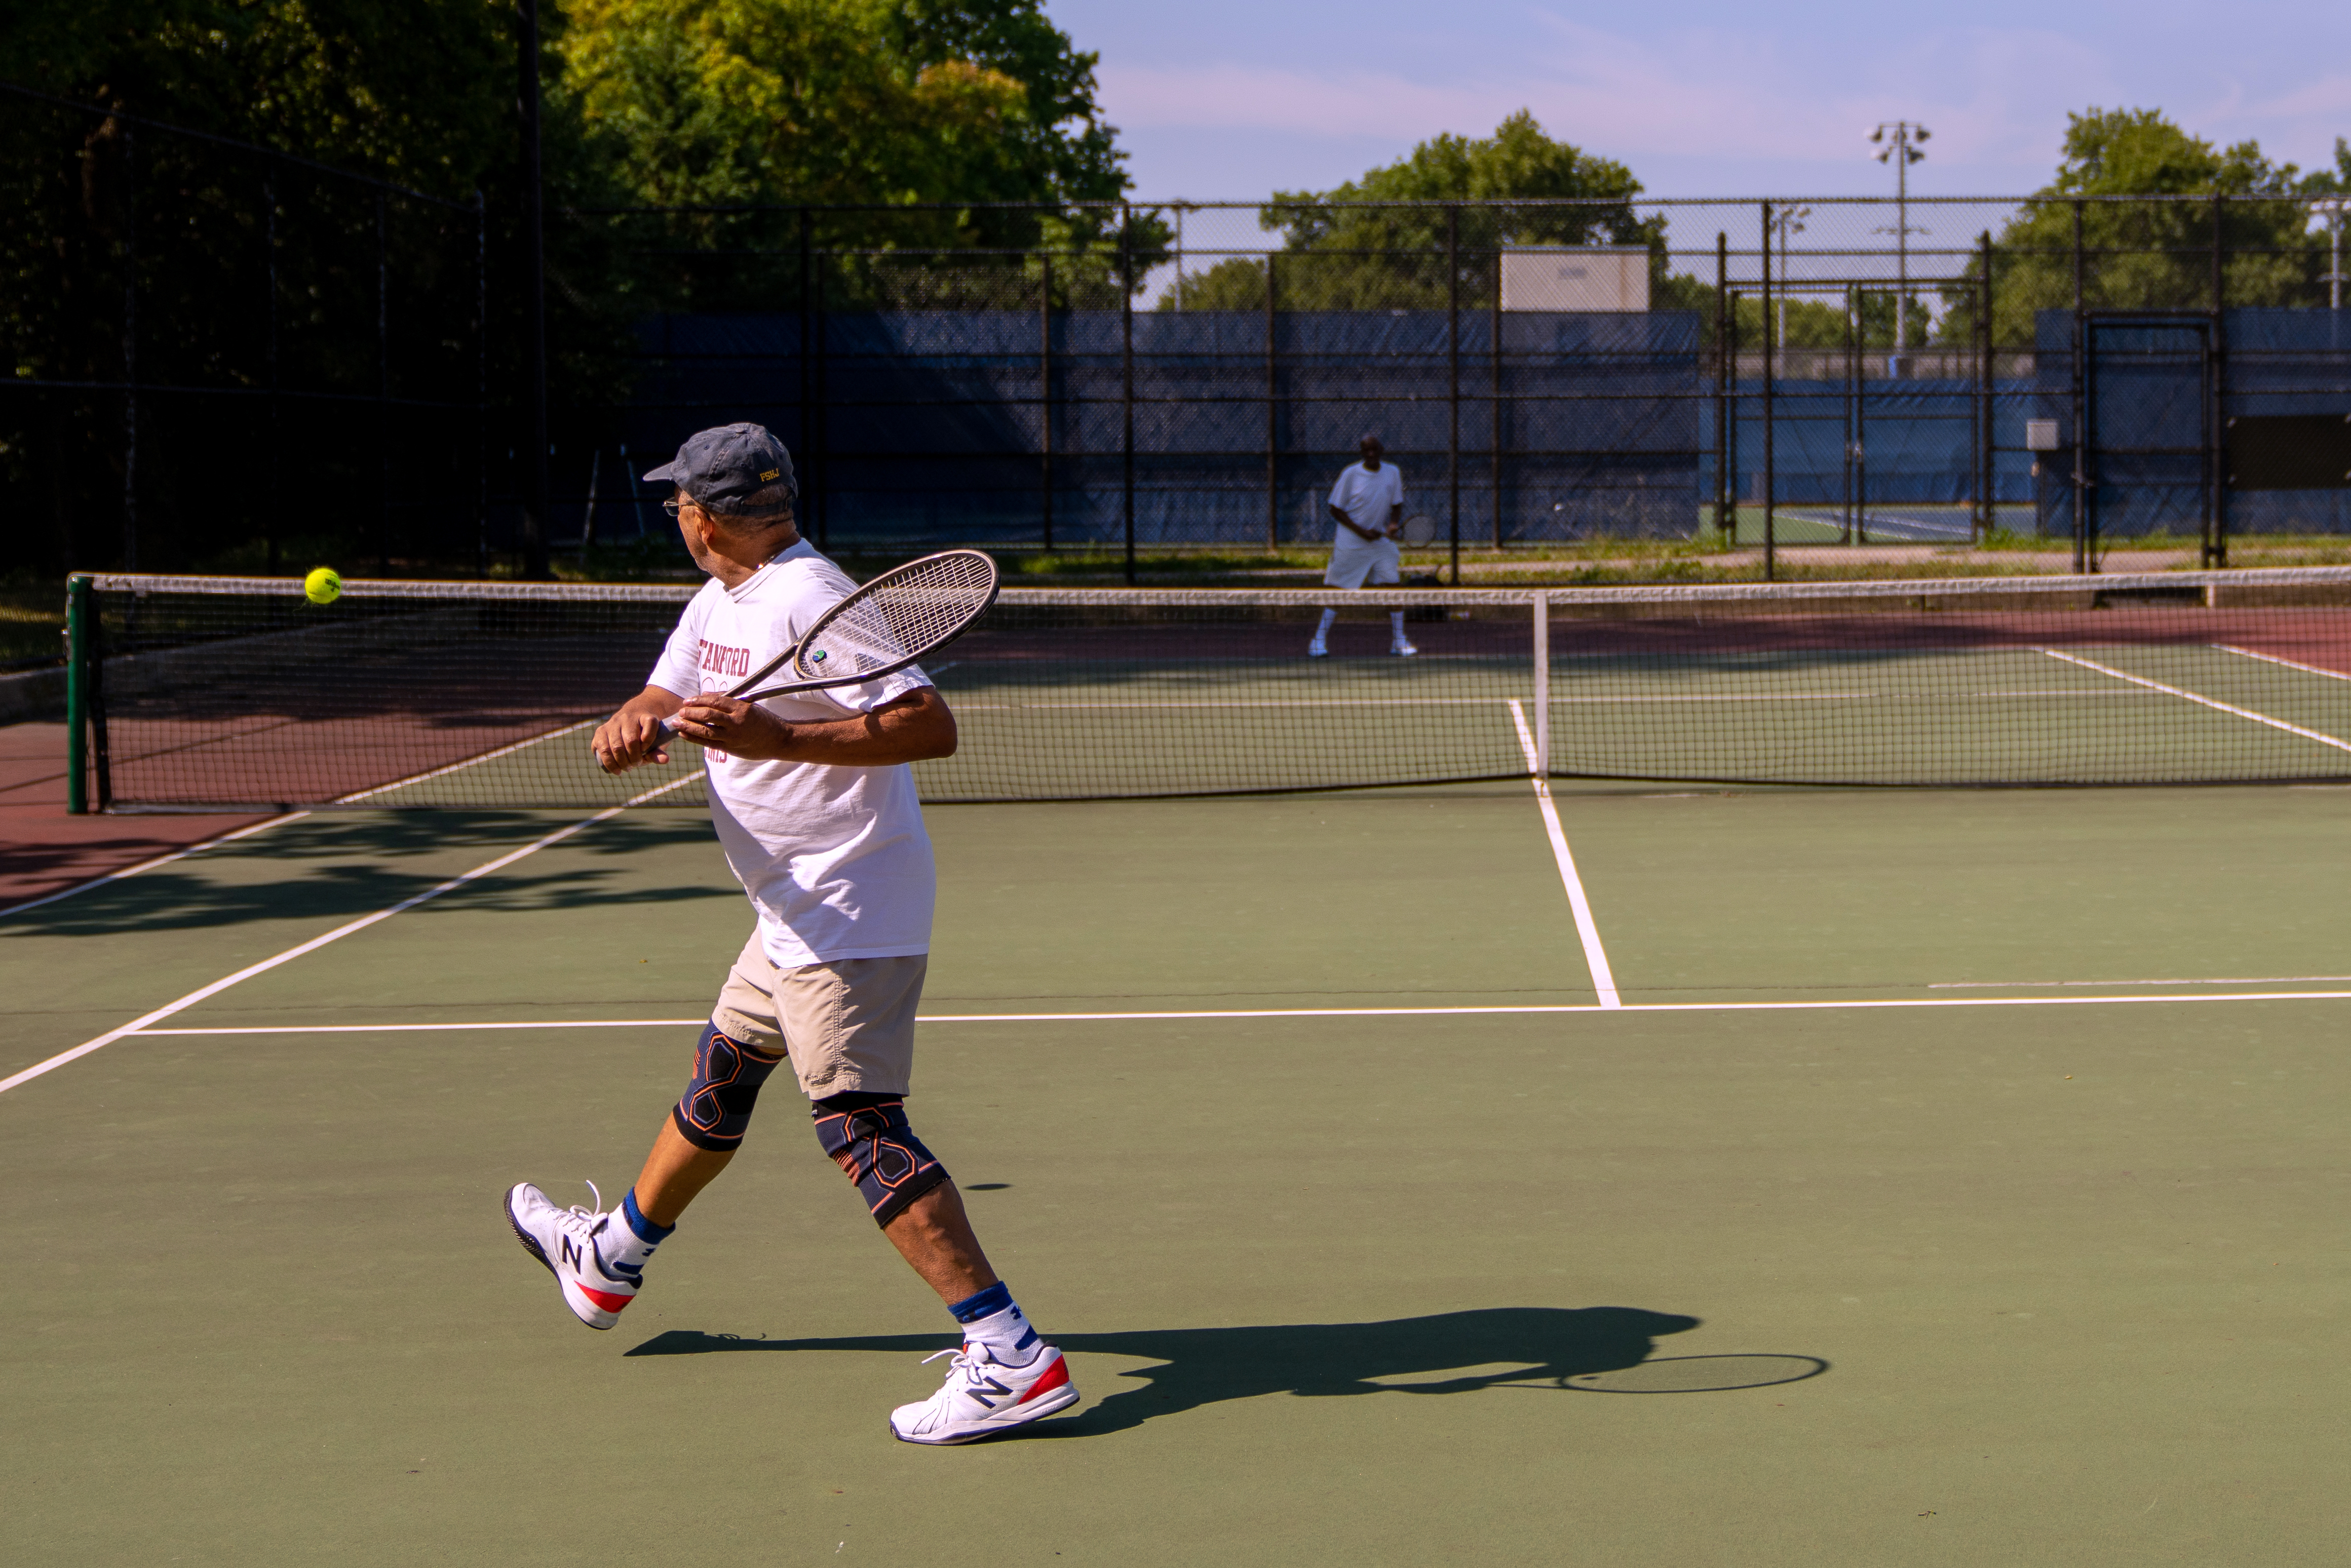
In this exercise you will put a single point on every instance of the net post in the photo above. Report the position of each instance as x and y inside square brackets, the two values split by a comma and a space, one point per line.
[76, 694]
[1542, 682]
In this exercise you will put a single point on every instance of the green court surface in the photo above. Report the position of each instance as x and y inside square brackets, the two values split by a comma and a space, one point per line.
[1957, 1179]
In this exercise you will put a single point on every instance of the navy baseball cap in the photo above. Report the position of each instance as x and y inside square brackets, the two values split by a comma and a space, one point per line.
[724, 468]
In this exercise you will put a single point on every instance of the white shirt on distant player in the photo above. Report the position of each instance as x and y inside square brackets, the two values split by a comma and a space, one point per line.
[1368, 498]
[835, 860]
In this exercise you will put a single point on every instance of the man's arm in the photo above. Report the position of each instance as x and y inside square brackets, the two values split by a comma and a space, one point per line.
[1351, 526]
[915, 727]
[635, 734]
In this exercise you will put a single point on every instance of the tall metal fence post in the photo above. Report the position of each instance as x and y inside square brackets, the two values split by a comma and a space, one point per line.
[1849, 521]
[1126, 375]
[1453, 379]
[1771, 543]
[534, 303]
[1045, 394]
[2081, 555]
[269, 286]
[129, 356]
[2216, 505]
[1272, 411]
[1542, 682]
[76, 694]
[806, 435]
[820, 425]
[1723, 522]
[1985, 500]
[481, 386]
[383, 394]
[1731, 416]
[1494, 392]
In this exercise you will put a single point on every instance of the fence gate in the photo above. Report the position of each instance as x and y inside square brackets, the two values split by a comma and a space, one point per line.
[2148, 398]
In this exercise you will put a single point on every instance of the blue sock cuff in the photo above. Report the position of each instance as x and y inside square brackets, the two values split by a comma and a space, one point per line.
[986, 1304]
[649, 1233]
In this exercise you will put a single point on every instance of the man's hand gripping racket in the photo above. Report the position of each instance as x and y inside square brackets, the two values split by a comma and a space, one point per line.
[898, 619]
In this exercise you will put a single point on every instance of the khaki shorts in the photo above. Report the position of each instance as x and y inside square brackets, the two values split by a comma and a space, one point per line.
[847, 1026]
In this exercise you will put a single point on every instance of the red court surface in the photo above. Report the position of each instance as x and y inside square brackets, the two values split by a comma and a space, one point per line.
[44, 850]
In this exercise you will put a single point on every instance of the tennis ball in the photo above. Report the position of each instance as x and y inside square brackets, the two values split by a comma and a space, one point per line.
[323, 586]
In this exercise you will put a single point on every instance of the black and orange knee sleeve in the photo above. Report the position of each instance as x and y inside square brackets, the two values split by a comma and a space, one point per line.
[716, 1106]
[868, 1137]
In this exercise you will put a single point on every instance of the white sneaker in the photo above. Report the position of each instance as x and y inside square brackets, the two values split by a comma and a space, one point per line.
[983, 1396]
[1403, 650]
[1315, 649]
[571, 1243]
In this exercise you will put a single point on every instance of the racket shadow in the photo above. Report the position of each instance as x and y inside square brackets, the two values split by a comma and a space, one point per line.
[1553, 1348]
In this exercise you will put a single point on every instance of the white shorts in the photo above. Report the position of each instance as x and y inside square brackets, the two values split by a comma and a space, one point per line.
[1361, 564]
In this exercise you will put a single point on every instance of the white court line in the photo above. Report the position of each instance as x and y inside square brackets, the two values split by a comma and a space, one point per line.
[140, 1023]
[1587, 930]
[150, 865]
[2047, 985]
[2289, 663]
[469, 762]
[2207, 702]
[1849, 1004]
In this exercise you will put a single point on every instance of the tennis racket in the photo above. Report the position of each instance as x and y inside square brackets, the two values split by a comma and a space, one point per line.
[906, 614]
[1418, 531]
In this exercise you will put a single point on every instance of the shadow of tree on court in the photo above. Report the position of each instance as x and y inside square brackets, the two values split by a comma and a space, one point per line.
[326, 867]
[1494, 1347]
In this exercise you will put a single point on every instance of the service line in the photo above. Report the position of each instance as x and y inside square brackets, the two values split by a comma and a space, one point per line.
[1827, 1005]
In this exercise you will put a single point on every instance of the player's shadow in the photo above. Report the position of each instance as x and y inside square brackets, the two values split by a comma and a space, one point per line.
[1447, 1353]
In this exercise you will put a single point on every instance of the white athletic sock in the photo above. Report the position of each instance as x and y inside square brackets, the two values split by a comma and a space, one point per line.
[1395, 619]
[1324, 630]
[1005, 1333]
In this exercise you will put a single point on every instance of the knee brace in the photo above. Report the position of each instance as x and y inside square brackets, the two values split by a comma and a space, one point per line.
[716, 1106]
[868, 1137]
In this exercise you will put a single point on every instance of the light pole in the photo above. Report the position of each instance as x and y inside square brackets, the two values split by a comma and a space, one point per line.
[1898, 141]
[2333, 208]
[1786, 221]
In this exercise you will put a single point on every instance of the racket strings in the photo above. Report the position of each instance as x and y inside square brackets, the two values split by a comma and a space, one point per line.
[929, 603]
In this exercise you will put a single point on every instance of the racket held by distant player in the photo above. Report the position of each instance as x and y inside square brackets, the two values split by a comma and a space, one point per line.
[902, 616]
[1418, 532]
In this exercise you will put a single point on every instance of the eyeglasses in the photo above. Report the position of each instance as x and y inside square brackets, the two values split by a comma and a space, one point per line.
[672, 504]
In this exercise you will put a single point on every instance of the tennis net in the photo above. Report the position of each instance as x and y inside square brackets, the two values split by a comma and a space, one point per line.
[198, 693]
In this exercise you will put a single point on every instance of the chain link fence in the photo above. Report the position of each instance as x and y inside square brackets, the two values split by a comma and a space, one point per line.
[223, 357]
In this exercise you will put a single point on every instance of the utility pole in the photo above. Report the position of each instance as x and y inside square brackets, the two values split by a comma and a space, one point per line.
[2333, 209]
[1898, 141]
[1786, 221]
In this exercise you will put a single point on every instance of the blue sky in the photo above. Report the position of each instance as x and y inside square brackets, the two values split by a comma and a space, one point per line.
[1232, 99]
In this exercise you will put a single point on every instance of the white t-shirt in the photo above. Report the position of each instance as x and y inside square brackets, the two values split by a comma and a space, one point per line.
[1368, 497]
[834, 859]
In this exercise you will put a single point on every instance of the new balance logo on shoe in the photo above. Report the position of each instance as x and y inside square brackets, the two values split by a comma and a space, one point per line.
[564, 1242]
[983, 1396]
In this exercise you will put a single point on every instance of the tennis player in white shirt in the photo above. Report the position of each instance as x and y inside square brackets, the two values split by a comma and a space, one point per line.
[1367, 503]
[815, 805]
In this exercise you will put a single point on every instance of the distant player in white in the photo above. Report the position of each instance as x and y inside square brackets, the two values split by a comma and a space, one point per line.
[1367, 503]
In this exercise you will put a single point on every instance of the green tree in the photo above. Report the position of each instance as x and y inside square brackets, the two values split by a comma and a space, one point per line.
[1336, 255]
[2151, 255]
